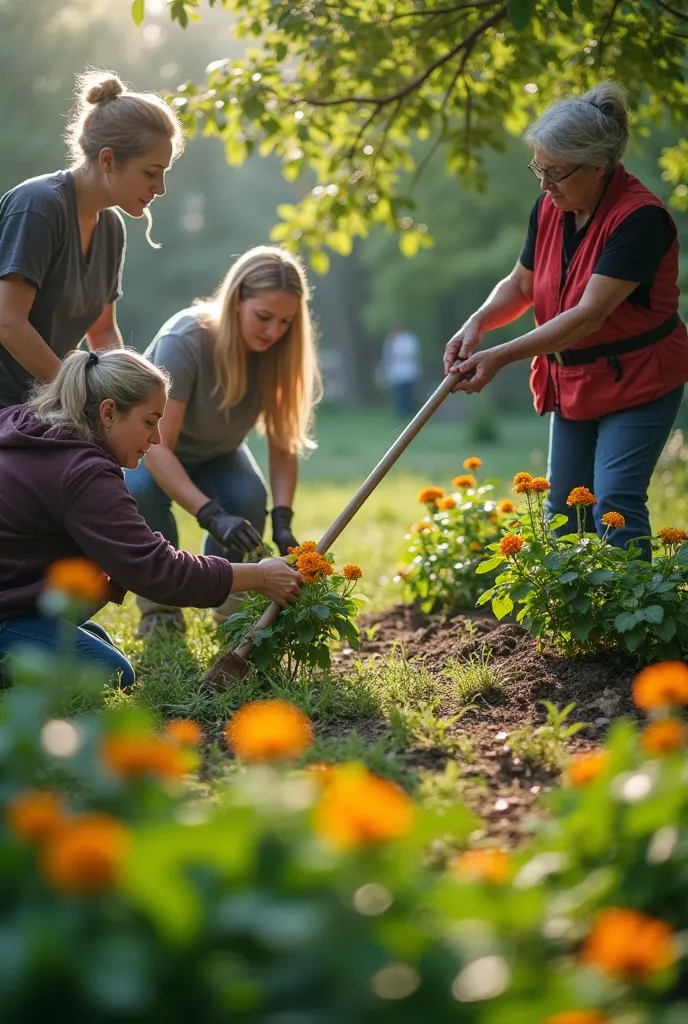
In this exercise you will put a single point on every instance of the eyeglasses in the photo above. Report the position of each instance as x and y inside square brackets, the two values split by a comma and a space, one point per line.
[541, 173]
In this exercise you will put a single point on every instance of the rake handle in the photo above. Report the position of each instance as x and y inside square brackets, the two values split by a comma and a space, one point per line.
[366, 489]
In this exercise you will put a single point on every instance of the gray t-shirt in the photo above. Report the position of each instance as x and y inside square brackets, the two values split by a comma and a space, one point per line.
[40, 240]
[185, 349]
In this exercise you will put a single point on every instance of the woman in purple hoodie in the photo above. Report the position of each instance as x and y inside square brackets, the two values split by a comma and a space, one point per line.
[63, 496]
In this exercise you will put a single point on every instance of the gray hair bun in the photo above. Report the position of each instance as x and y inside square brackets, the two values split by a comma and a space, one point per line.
[104, 92]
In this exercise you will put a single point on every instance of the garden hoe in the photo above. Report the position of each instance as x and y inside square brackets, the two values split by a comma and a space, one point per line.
[233, 664]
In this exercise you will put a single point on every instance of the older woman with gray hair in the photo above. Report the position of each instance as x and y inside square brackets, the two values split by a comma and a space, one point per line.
[609, 351]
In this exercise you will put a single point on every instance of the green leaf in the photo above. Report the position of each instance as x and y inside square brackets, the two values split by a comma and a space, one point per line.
[320, 261]
[138, 10]
[484, 598]
[581, 629]
[502, 606]
[520, 592]
[581, 603]
[558, 520]
[587, 8]
[625, 621]
[322, 611]
[568, 576]
[636, 636]
[600, 576]
[666, 629]
[566, 7]
[520, 12]
[305, 632]
[554, 560]
[653, 613]
[489, 565]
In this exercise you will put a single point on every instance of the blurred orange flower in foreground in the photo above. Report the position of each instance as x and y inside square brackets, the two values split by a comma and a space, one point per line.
[484, 864]
[578, 1017]
[352, 571]
[586, 767]
[511, 544]
[464, 481]
[78, 578]
[672, 537]
[522, 478]
[429, 495]
[629, 944]
[184, 731]
[268, 730]
[422, 526]
[444, 504]
[135, 755]
[663, 737]
[34, 815]
[360, 809]
[86, 854]
[505, 506]
[661, 685]
[322, 771]
[473, 463]
[538, 485]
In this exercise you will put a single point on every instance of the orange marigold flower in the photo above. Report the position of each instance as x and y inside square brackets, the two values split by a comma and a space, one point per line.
[446, 503]
[313, 566]
[86, 855]
[429, 495]
[184, 731]
[483, 864]
[359, 809]
[660, 685]
[422, 526]
[522, 478]
[672, 537]
[578, 1017]
[322, 771]
[268, 730]
[663, 737]
[505, 507]
[511, 543]
[352, 571]
[78, 577]
[301, 549]
[135, 755]
[464, 481]
[585, 768]
[581, 496]
[614, 520]
[475, 546]
[473, 463]
[34, 815]
[630, 945]
[539, 484]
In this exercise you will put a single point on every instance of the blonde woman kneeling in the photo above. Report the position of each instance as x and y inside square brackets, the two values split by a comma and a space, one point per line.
[242, 358]
[63, 496]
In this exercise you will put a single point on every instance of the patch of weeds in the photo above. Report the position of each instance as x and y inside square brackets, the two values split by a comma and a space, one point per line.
[465, 747]
[442, 789]
[473, 678]
[325, 698]
[378, 757]
[545, 746]
[420, 727]
[396, 681]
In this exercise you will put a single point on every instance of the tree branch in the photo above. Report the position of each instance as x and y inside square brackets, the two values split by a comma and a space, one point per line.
[466, 44]
[605, 30]
[680, 15]
[479, 5]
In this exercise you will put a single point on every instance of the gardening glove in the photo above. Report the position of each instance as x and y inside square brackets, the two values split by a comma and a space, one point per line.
[282, 536]
[229, 531]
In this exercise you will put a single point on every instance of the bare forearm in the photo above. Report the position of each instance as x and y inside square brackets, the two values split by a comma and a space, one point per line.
[247, 576]
[26, 346]
[107, 341]
[556, 335]
[506, 303]
[284, 473]
[169, 474]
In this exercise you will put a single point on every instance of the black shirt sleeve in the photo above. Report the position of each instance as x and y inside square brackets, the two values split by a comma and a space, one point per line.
[527, 257]
[635, 250]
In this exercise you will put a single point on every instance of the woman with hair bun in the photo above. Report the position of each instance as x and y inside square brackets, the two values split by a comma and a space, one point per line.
[63, 496]
[62, 241]
[609, 352]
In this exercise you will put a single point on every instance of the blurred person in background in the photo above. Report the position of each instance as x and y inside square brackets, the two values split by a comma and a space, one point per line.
[245, 357]
[609, 351]
[400, 369]
[64, 497]
[62, 242]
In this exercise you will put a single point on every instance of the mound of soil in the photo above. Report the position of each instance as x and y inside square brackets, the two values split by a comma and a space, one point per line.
[508, 790]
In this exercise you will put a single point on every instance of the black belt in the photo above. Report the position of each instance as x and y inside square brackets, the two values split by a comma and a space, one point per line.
[614, 349]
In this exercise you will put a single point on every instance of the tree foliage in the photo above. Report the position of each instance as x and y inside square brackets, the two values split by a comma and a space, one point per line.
[356, 96]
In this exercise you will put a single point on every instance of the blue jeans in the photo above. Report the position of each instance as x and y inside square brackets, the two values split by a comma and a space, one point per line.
[89, 642]
[402, 393]
[614, 457]
[234, 480]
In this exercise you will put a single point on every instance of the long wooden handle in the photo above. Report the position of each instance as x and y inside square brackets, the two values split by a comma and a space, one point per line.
[381, 470]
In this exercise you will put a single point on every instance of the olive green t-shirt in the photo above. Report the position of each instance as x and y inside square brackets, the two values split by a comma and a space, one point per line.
[185, 349]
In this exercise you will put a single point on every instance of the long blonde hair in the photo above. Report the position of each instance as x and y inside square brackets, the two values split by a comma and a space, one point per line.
[71, 400]
[289, 377]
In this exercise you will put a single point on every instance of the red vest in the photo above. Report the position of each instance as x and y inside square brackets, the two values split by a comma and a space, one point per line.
[592, 390]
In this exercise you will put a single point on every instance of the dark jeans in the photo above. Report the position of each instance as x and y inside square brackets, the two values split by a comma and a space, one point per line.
[402, 393]
[234, 480]
[89, 642]
[615, 457]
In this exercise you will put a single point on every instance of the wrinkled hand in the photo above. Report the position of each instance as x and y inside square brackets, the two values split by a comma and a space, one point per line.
[462, 345]
[281, 583]
[478, 370]
[229, 531]
[282, 536]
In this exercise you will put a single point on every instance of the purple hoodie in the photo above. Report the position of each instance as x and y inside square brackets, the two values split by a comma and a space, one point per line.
[61, 497]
